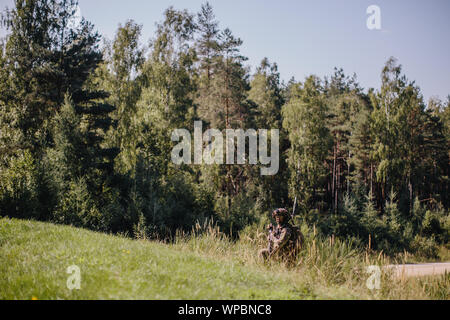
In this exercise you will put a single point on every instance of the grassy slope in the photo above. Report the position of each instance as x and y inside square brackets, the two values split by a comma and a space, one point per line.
[34, 257]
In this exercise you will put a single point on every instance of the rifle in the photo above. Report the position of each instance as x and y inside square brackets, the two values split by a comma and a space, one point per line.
[293, 209]
[295, 200]
[301, 238]
[270, 238]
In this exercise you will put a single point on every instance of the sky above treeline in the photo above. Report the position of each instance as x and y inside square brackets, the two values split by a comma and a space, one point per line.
[313, 37]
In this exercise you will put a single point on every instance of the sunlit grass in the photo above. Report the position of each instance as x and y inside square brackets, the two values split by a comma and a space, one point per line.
[34, 257]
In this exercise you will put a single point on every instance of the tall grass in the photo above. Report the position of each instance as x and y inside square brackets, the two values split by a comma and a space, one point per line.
[326, 265]
[204, 263]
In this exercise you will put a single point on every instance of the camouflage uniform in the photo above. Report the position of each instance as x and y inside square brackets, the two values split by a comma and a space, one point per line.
[283, 239]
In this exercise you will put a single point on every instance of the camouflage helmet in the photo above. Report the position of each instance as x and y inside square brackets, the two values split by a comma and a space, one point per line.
[280, 212]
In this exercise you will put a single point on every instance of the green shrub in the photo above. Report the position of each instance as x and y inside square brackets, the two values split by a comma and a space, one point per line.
[424, 247]
[76, 207]
[19, 188]
[431, 225]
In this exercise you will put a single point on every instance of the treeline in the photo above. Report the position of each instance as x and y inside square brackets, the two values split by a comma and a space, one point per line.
[85, 134]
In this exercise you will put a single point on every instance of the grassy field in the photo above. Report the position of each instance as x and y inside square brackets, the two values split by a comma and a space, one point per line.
[34, 258]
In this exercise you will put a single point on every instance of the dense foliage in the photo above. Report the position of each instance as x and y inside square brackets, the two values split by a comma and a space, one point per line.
[85, 135]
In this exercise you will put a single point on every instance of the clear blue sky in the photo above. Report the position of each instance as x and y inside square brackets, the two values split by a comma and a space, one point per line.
[312, 37]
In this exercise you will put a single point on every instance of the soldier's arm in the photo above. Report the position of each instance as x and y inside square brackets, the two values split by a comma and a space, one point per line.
[284, 238]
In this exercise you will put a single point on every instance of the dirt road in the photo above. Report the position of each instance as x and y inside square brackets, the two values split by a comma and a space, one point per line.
[422, 269]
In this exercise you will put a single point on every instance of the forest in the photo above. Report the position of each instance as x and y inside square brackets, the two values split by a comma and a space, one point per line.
[86, 126]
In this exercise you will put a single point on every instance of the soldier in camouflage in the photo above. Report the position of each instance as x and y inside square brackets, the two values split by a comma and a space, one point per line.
[284, 239]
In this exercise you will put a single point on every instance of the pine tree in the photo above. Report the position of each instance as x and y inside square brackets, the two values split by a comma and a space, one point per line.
[208, 55]
[361, 147]
[344, 98]
[28, 71]
[48, 56]
[70, 155]
[207, 44]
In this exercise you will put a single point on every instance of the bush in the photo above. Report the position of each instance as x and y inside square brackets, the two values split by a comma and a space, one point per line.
[445, 222]
[346, 222]
[77, 208]
[19, 188]
[424, 247]
[431, 225]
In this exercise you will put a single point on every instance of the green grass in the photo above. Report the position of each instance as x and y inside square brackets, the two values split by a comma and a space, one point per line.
[34, 257]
